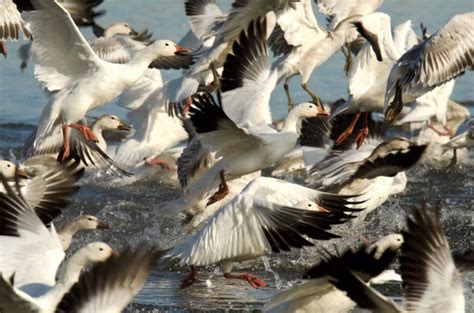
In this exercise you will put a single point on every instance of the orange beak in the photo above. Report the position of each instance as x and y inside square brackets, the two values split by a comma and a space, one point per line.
[22, 173]
[181, 50]
[321, 209]
[321, 112]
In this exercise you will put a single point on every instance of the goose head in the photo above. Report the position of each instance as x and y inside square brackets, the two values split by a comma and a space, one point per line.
[120, 28]
[391, 242]
[89, 222]
[168, 48]
[96, 252]
[111, 122]
[8, 170]
[307, 109]
[309, 205]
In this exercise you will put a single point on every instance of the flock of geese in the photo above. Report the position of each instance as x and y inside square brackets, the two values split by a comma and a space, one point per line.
[211, 132]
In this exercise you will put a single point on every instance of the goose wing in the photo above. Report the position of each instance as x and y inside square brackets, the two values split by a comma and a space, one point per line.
[29, 249]
[11, 22]
[110, 285]
[263, 219]
[248, 81]
[204, 17]
[62, 53]
[51, 191]
[430, 278]
[12, 300]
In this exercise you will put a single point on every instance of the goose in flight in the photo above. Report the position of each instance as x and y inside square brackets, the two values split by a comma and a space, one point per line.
[305, 44]
[269, 215]
[110, 285]
[66, 65]
[432, 276]
[240, 128]
[443, 56]
[318, 295]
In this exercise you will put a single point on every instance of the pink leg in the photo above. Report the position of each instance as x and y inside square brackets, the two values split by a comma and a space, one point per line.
[190, 279]
[364, 131]
[252, 280]
[85, 131]
[3, 48]
[348, 130]
[187, 104]
[222, 192]
[446, 132]
[66, 145]
[158, 161]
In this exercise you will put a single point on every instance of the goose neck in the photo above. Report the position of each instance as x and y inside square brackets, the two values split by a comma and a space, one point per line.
[292, 123]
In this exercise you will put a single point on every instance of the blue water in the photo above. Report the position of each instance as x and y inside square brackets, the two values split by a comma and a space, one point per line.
[22, 99]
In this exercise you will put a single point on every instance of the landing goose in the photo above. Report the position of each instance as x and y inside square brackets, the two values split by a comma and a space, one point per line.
[269, 215]
[443, 56]
[431, 280]
[317, 294]
[73, 72]
[110, 285]
[241, 131]
[311, 45]
[368, 77]
[91, 154]
[40, 296]
[373, 170]
[237, 20]
[11, 24]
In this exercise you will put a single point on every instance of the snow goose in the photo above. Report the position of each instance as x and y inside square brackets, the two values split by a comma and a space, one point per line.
[73, 72]
[339, 10]
[42, 296]
[48, 192]
[109, 286]
[368, 77]
[241, 131]
[431, 280]
[370, 170]
[269, 215]
[11, 24]
[311, 44]
[91, 154]
[443, 56]
[243, 12]
[319, 295]
[29, 244]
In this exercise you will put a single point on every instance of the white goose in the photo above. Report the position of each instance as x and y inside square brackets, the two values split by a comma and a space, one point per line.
[318, 295]
[222, 35]
[375, 170]
[443, 56]
[241, 132]
[268, 215]
[432, 282]
[32, 251]
[82, 79]
[46, 294]
[11, 24]
[306, 44]
[368, 76]
[111, 285]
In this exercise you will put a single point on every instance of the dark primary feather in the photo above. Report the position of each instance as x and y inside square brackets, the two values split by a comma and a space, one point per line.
[124, 274]
[196, 7]
[176, 62]
[425, 252]
[52, 191]
[278, 43]
[315, 132]
[12, 205]
[248, 59]
[390, 163]
[90, 154]
[361, 261]
[83, 11]
[205, 113]
[289, 224]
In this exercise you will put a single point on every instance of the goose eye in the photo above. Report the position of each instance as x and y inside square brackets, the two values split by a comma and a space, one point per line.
[101, 249]
[89, 219]
[310, 205]
[8, 165]
[167, 44]
[310, 106]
